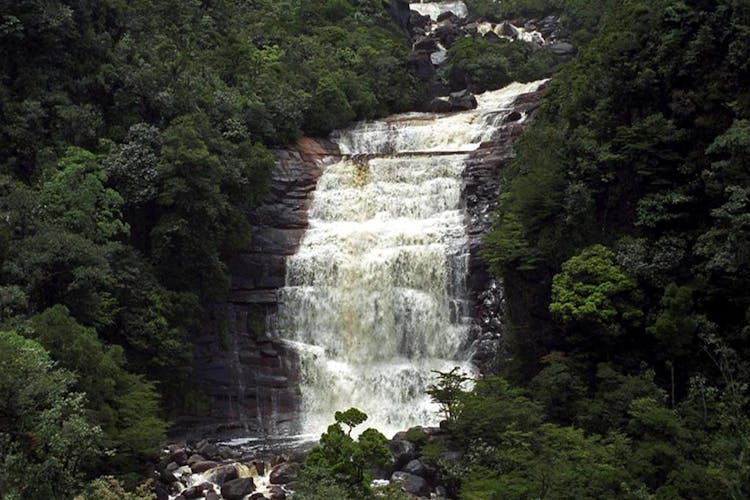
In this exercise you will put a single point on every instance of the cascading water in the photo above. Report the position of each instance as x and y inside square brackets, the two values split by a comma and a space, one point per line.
[374, 297]
[434, 9]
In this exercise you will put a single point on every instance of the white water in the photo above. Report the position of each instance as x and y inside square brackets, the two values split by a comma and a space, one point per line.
[373, 301]
[434, 9]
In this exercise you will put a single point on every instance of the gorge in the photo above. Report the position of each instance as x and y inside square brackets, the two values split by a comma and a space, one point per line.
[225, 225]
[385, 286]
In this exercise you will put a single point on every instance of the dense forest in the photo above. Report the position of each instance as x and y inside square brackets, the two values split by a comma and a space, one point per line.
[133, 134]
[623, 242]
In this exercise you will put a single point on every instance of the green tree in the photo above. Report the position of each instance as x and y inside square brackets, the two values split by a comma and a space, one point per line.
[124, 405]
[593, 290]
[75, 198]
[46, 438]
[341, 463]
[447, 390]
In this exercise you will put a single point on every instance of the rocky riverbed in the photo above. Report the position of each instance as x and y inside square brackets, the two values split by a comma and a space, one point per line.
[259, 469]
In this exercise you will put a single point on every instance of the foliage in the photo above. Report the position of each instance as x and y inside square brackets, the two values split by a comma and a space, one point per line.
[109, 488]
[446, 391]
[341, 465]
[480, 64]
[46, 438]
[124, 405]
[622, 244]
[134, 136]
[564, 464]
[74, 197]
[593, 289]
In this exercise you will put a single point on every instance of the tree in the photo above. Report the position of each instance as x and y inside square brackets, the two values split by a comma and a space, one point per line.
[564, 464]
[342, 464]
[447, 391]
[494, 410]
[46, 438]
[75, 198]
[592, 289]
[124, 405]
[54, 266]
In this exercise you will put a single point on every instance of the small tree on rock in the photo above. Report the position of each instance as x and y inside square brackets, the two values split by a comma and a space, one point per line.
[447, 391]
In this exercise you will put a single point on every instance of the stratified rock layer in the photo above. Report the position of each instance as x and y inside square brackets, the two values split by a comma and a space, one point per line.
[245, 381]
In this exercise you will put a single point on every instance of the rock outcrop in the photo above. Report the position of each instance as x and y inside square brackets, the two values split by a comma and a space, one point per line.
[244, 380]
[481, 191]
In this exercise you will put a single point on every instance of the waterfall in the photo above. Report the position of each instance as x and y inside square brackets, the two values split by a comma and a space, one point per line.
[375, 296]
[434, 9]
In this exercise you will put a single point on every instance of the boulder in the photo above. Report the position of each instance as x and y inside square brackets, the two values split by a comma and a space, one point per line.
[491, 35]
[448, 16]
[462, 100]
[203, 466]
[198, 491]
[563, 49]
[195, 458]
[238, 488]
[457, 101]
[403, 452]
[507, 29]
[417, 20]
[276, 493]
[284, 473]
[222, 474]
[258, 496]
[208, 450]
[167, 473]
[298, 456]
[447, 33]
[414, 485]
[416, 467]
[421, 64]
[180, 457]
[426, 44]
[227, 453]
[161, 492]
[212, 495]
[439, 105]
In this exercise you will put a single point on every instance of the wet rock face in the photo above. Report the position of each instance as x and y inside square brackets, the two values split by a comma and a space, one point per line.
[238, 488]
[245, 381]
[482, 190]
[399, 11]
[411, 484]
